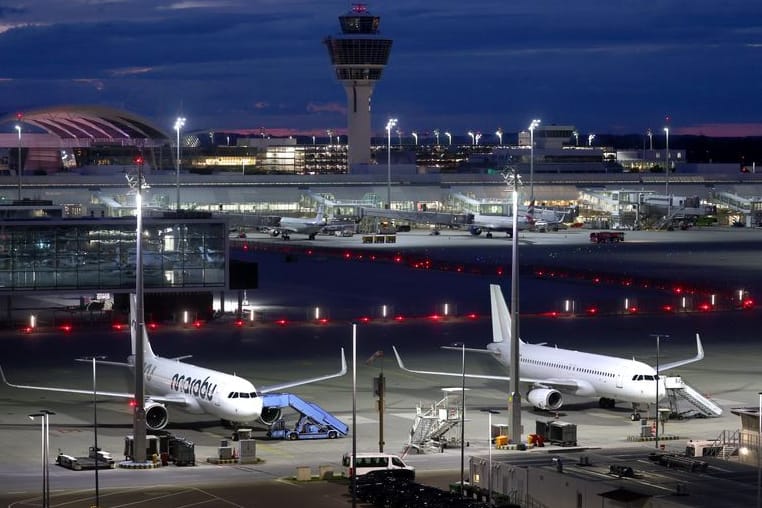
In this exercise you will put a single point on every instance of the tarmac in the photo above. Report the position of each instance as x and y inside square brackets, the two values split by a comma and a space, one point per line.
[267, 353]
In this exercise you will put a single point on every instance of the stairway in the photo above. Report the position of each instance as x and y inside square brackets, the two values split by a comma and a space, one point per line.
[678, 391]
[432, 424]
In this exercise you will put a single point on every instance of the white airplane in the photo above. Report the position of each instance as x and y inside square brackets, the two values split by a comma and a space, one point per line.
[290, 225]
[194, 389]
[500, 223]
[550, 372]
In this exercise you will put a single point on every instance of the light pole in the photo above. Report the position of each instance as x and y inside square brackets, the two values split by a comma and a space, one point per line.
[179, 123]
[576, 138]
[532, 126]
[18, 169]
[391, 123]
[473, 138]
[399, 136]
[478, 137]
[415, 137]
[44, 414]
[590, 139]
[330, 136]
[436, 135]
[666, 160]
[658, 336]
[95, 429]
[650, 140]
[489, 412]
[449, 138]
[499, 134]
[462, 347]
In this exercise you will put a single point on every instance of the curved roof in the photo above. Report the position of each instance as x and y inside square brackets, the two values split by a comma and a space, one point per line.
[90, 122]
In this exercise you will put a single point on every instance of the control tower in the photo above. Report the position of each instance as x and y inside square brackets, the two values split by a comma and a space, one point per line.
[359, 55]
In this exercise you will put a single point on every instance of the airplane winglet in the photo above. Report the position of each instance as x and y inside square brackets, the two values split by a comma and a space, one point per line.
[291, 384]
[699, 356]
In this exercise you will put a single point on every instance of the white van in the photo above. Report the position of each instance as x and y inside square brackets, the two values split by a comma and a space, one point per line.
[367, 462]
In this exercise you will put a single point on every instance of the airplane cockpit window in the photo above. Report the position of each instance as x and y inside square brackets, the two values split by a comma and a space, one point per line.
[233, 395]
[244, 395]
[253, 395]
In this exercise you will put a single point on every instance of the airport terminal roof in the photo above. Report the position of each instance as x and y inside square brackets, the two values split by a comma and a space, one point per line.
[89, 122]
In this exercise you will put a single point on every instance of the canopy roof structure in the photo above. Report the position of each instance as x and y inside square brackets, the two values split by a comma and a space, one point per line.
[91, 123]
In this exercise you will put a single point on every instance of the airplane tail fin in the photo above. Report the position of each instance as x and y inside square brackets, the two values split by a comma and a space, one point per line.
[501, 316]
[134, 324]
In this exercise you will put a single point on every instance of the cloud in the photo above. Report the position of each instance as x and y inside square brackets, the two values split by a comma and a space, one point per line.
[331, 107]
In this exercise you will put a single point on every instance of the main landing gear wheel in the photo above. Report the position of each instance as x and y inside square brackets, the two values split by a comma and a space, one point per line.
[293, 436]
[635, 417]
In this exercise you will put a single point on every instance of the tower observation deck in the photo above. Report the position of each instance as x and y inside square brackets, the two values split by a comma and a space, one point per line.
[359, 55]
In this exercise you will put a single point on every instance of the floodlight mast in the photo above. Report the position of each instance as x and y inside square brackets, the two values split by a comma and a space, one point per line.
[137, 326]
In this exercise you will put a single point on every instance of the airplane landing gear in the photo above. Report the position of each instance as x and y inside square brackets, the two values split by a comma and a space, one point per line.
[489, 235]
[312, 236]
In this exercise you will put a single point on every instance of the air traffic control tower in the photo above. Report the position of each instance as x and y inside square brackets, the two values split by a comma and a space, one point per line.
[359, 55]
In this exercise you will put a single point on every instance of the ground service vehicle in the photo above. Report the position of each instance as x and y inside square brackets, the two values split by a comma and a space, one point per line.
[372, 461]
[607, 236]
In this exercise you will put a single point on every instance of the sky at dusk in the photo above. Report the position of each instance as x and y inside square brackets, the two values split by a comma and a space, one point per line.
[604, 66]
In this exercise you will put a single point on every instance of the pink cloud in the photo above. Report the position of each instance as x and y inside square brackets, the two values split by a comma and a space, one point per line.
[722, 130]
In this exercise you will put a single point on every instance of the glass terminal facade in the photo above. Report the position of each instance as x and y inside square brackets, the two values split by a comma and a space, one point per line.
[100, 254]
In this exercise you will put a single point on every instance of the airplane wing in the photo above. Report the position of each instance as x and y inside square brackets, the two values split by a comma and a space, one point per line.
[699, 356]
[290, 384]
[172, 399]
[567, 384]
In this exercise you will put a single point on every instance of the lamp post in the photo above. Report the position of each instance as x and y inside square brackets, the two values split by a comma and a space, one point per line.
[18, 169]
[499, 134]
[473, 138]
[330, 136]
[95, 429]
[179, 123]
[489, 412]
[415, 137]
[462, 347]
[532, 126]
[449, 138]
[666, 161]
[44, 414]
[436, 135]
[389, 125]
[650, 139]
[576, 138]
[477, 137]
[590, 139]
[658, 336]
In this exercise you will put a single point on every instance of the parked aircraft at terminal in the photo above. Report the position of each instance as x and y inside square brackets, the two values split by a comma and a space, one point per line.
[550, 372]
[291, 225]
[194, 389]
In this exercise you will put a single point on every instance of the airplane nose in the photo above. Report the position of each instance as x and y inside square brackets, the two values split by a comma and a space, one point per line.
[257, 406]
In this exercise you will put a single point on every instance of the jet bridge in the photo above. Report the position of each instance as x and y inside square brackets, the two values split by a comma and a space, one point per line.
[438, 218]
[314, 422]
[678, 391]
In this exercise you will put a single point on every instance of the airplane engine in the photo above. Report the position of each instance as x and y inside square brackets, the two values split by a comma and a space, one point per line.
[269, 415]
[545, 398]
[157, 416]
[475, 231]
[275, 232]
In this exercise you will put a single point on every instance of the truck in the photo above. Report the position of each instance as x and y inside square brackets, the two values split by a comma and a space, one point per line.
[305, 428]
[607, 236]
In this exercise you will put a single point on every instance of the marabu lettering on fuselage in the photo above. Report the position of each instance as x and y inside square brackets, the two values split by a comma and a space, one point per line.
[198, 388]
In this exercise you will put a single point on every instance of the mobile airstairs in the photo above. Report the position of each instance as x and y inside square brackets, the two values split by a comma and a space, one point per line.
[680, 395]
[314, 421]
[433, 423]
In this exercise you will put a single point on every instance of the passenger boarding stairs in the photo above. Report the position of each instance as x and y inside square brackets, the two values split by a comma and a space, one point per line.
[431, 425]
[678, 391]
[307, 409]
